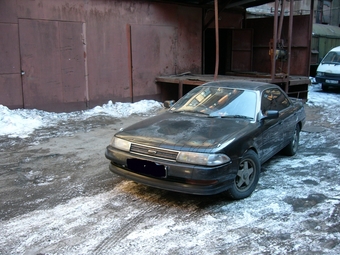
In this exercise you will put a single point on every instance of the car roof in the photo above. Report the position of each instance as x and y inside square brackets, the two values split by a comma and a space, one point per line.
[241, 84]
[336, 49]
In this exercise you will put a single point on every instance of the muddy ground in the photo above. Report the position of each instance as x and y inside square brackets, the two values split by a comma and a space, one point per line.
[58, 197]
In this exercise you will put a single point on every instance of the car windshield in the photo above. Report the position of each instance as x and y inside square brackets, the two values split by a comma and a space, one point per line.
[333, 57]
[218, 102]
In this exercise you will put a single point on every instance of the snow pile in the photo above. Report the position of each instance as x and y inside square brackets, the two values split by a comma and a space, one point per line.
[123, 110]
[22, 122]
[18, 122]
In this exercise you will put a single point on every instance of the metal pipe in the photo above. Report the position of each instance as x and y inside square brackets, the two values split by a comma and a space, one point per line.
[216, 39]
[273, 67]
[290, 34]
[129, 44]
[310, 35]
[87, 95]
[281, 20]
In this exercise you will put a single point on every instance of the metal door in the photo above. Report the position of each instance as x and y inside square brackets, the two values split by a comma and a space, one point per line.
[10, 80]
[52, 64]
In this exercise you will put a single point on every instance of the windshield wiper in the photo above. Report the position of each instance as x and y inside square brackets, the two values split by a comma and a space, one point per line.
[231, 116]
[196, 112]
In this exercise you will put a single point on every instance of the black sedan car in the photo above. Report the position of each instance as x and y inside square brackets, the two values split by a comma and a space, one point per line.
[213, 139]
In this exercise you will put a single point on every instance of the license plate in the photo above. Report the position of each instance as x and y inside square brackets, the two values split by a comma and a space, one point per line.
[331, 81]
[146, 167]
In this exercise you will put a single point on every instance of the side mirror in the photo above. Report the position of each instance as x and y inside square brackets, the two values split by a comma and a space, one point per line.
[271, 114]
[169, 103]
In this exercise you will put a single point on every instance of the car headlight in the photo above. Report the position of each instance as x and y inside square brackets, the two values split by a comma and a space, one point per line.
[202, 158]
[319, 74]
[120, 144]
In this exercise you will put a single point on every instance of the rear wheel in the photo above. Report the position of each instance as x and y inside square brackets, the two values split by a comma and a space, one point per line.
[292, 147]
[247, 176]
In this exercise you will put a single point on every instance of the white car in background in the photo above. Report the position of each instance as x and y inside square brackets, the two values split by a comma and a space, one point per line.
[328, 72]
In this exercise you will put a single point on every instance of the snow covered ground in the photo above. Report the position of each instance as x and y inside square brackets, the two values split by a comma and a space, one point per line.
[294, 210]
[22, 122]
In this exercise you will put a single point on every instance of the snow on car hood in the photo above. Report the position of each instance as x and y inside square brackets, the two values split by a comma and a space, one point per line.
[185, 132]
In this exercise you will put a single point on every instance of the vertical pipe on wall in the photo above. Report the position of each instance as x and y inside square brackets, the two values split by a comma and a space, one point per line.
[310, 34]
[273, 55]
[87, 96]
[290, 34]
[128, 33]
[216, 39]
[281, 19]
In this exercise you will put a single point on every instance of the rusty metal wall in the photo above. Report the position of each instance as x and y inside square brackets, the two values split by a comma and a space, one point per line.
[242, 50]
[151, 57]
[52, 62]
[92, 59]
[263, 32]
[10, 79]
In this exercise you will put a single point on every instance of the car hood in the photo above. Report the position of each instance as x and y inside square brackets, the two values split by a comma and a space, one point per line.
[329, 68]
[179, 131]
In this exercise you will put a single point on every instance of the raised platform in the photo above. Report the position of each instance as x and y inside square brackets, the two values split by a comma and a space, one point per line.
[294, 86]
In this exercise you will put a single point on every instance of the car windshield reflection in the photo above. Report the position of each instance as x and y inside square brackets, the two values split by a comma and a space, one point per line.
[218, 102]
[332, 58]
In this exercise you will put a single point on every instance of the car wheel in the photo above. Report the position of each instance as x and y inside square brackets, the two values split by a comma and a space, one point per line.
[247, 176]
[324, 87]
[292, 147]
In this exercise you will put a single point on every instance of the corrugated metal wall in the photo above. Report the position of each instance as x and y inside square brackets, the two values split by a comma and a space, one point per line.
[324, 38]
[71, 55]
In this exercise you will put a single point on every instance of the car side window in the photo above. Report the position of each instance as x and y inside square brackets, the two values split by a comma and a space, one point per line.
[273, 99]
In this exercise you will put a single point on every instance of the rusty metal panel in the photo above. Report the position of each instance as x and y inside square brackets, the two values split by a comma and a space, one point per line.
[11, 91]
[107, 51]
[227, 19]
[263, 32]
[300, 51]
[241, 61]
[10, 80]
[50, 84]
[8, 11]
[261, 60]
[153, 54]
[53, 61]
[189, 40]
[9, 49]
[39, 45]
[242, 46]
[72, 62]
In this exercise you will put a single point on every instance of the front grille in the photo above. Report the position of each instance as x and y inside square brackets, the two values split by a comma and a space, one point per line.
[154, 152]
[330, 75]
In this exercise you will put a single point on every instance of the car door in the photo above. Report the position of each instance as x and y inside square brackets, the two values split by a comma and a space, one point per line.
[288, 119]
[273, 129]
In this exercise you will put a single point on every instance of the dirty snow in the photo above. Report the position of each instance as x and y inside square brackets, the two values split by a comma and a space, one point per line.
[295, 209]
[22, 122]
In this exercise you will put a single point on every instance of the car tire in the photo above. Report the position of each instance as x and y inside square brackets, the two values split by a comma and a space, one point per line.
[324, 87]
[247, 176]
[292, 147]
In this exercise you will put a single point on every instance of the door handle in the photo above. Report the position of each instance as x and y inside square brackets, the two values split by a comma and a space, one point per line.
[22, 72]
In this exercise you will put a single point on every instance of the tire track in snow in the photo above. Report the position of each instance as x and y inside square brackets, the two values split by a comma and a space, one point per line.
[118, 235]
[158, 206]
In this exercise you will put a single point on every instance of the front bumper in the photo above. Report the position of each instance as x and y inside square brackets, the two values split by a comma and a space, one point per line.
[329, 80]
[178, 177]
